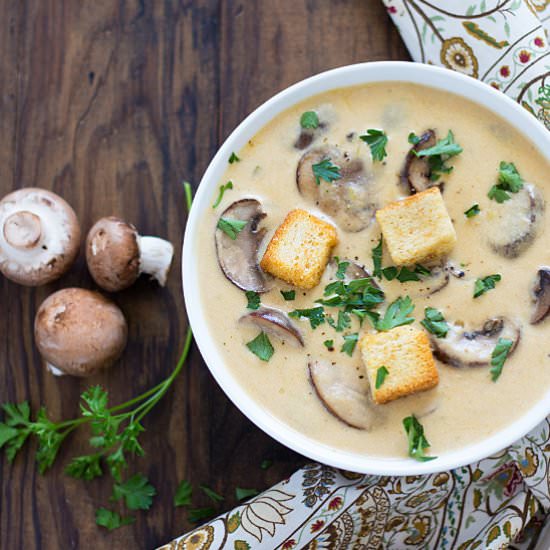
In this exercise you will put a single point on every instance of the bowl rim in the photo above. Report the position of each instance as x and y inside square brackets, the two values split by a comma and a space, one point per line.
[344, 77]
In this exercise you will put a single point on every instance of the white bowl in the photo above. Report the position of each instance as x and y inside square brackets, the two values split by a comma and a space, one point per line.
[338, 78]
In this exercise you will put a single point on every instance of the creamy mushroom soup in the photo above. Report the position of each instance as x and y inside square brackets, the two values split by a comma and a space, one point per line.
[500, 254]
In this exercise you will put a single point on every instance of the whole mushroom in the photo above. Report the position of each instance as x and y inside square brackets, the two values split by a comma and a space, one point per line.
[79, 332]
[39, 236]
[117, 255]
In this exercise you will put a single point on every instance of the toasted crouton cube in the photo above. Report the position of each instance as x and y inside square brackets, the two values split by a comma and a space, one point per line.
[406, 354]
[417, 228]
[300, 249]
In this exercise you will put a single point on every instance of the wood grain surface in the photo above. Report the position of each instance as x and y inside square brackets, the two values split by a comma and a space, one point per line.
[111, 103]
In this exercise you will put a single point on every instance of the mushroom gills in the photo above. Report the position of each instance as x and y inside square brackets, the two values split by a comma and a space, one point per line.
[512, 226]
[463, 348]
[541, 295]
[275, 322]
[155, 257]
[343, 393]
[238, 259]
[416, 171]
[349, 200]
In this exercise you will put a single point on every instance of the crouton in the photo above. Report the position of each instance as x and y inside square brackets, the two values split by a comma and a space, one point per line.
[406, 354]
[417, 228]
[300, 249]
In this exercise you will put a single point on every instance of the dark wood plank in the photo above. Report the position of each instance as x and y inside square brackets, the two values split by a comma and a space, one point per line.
[111, 104]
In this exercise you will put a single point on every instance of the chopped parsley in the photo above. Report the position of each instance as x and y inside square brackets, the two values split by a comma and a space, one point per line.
[486, 284]
[472, 211]
[244, 494]
[316, 315]
[309, 119]
[329, 344]
[183, 495]
[342, 322]
[381, 374]
[234, 158]
[417, 440]
[397, 314]
[403, 274]
[377, 259]
[377, 141]
[350, 341]
[288, 295]
[137, 492]
[261, 347]
[212, 495]
[223, 189]
[509, 180]
[414, 139]
[439, 154]
[231, 227]
[111, 520]
[326, 170]
[196, 515]
[341, 269]
[499, 356]
[434, 322]
[253, 299]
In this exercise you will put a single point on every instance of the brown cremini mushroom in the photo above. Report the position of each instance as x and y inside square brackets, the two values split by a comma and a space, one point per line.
[416, 172]
[276, 322]
[79, 332]
[117, 255]
[541, 295]
[39, 236]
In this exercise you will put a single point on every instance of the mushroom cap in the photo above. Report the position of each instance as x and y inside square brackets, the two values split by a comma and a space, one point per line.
[79, 332]
[39, 236]
[112, 253]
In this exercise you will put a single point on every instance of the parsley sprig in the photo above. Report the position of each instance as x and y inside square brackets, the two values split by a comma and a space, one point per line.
[223, 189]
[509, 181]
[397, 314]
[377, 141]
[439, 154]
[434, 322]
[416, 438]
[499, 356]
[326, 170]
[402, 274]
[485, 284]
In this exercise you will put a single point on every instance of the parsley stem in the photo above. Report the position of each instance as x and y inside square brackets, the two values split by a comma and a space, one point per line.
[188, 195]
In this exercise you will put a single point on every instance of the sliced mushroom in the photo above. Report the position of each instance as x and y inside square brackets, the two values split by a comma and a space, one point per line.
[462, 348]
[416, 172]
[437, 280]
[343, 393]
[513, 225]
[276, 322]
[353, 271]
[238, 258]
[348, 200]
[541, 294]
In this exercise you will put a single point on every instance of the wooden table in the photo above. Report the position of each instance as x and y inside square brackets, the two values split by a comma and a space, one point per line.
[112, 103]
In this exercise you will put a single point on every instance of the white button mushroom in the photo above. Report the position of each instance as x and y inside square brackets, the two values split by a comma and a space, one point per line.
[117, 255]
[79, 332]
[39, 236]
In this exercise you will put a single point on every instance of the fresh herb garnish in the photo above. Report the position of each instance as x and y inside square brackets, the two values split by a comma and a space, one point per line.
[266, 464]
[231, 227]
[261, 347]
[223, 189]
[212, 495]
[472, 211]
[316, 315]
[350, 341]
[377, 259]
[403, 274]
[111, 520]
[253, 299]
[439, 154]
[309, 119]
[377, 141]
[288, 295]
[397, 314]
[244, 494]
[417, 441]
[326, 170]
[508, 180]
[486, 284]
[413, 139]
[183, 495]
[197, 515]
[329, 344]
[234, 158]
[499, 356]
[137, 492]
[381, 374]
[343, 321]
[434, 322]
[341, 268]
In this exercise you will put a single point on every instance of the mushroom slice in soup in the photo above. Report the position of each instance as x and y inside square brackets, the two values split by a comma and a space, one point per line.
[349, 199]
[352, 272]
[238, 258]
[541, 294]
[416, 171]
[343, 393]
[463, 348]
[513, 225]
[276, 322]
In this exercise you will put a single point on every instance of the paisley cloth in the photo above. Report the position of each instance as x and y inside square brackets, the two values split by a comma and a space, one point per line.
[499, 502]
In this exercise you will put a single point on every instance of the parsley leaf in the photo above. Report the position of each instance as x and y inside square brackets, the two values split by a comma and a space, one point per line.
[223, 189]
[231, 227]
[381, 374]
[350, 341]
[85, 467]
[434, 322]
[485, 284]
[416, 438]
[244, 494]
[377, 141]
[183, 495]
[261, 347]
[111, 520]
[253, 299]
[195, 515]
[288, 295]
[472, 211]
[397, 314]
[498, 194]
[377, 259]
[508, 180]
[499, 356]
[341, 269]
[137, 492]
[439, 154]
[212, 495]
[342, 323]
[413, 139]
[326, 170]
[309, 119]
[234, 158]
[329, 344]
[316, 315]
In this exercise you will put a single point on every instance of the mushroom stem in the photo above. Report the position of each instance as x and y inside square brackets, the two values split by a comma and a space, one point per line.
[23, 230]
[155, 257]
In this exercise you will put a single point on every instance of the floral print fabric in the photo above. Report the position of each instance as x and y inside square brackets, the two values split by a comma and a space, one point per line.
[499, 502]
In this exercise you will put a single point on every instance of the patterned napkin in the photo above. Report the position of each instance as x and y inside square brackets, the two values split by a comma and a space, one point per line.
[499, 502]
